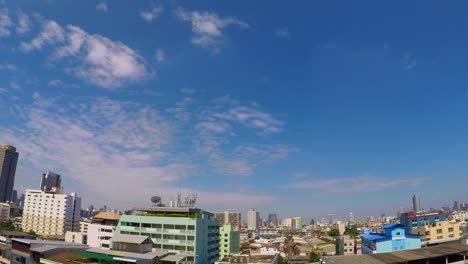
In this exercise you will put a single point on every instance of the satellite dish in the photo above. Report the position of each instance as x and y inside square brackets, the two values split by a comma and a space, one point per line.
[156, 199]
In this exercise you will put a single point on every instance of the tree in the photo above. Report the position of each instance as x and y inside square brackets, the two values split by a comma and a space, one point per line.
[280, 259]
[290, 248]
[334, 232]
[31, 232]
[313, 257]
[352, 231]
[128, 212]
[7, 226]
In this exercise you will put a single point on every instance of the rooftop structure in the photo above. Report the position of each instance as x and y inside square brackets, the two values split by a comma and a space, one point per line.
[393, 238]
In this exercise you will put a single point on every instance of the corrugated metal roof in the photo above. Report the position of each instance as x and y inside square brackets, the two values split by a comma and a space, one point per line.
[373, 237]
[107, 216]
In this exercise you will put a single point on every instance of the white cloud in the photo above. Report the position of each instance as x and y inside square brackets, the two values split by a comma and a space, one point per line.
[98, 141]
[282, 33]
[7, 66]
[5, 22]
[252, 118]
[96, 59]
[151, 15]
[356, 184]
[160, 55]
[208, 27]
[51, 33]
[24, 23]
[102, 6]
[15, 85]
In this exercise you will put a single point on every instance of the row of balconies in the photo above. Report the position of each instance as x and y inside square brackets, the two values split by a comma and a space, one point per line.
[161, 230]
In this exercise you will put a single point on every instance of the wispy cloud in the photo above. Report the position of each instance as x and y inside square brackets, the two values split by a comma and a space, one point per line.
[5, 22]
[187, 91]
[152, 14]
[24, 23]
[51, 33]
[92, 58]
[356, 184]
[253, 118]
[59, 83]
[101, 6]
[160, 55]
[207, 27]
[408, 61]
[282, 33]
[133, 144]
[7, 66]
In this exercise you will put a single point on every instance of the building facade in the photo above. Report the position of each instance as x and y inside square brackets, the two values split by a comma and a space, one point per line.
[188, 231]
[229, 241]
[232, 218]
[345, 245]
[51, 214]
[4, 211]
[413, 220]
[8, 161]
[438, 230]
[393, 238]
[297, 222]
[253, 219]
[101, 229]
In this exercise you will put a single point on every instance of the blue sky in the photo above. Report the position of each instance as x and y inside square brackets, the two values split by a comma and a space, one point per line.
[307, 109]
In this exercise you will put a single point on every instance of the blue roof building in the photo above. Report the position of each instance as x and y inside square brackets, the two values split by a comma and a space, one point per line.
[393, 238]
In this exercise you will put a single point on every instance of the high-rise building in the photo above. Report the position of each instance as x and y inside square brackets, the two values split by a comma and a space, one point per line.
[416, 203]
[312, 221]
[230, 241]
[351, 217]
[181, 230]
[297, 223]
[51, 214]
[456, 206]
[253, 219]
[8, 161]
[331, 219]
[14, 196]
[232, 218]
[272, 220]
[51, 182]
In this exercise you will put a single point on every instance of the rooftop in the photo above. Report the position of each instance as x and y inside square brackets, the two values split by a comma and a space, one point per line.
[107, 216]
[162, 209]
[48, 242]
[134, 239]
[402, 256]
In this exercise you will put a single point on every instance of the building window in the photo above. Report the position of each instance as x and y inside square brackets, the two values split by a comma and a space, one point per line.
[450, 229]
[398, 233]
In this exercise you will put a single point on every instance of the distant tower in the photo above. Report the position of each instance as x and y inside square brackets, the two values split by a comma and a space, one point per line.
[331, 219]
[8, 161]
[14, 197]
[253, 219]
[51, 182]
[351, 217]
[416, 203]
[456, 206]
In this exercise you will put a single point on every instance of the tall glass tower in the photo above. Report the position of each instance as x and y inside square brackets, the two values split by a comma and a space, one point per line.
[8, 161]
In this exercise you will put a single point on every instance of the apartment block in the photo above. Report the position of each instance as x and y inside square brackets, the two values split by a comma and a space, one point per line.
[51, 214]
[229, 241]
[181, 230]
[438, 230]
[413, 220]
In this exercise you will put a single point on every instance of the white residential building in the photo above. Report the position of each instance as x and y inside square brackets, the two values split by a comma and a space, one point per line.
[287, 222]
[253, 219]
[101, 229]
[460, 216]
[51, 214]
[4, 211]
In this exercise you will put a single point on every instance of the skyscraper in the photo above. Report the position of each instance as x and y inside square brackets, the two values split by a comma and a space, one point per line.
[14, 196]
[253, 219]
[8, 161]
[456, 206]
[232, 218]
[272, 220]
[51, 182]
[351, 217]
[331, 219]
[416, 203]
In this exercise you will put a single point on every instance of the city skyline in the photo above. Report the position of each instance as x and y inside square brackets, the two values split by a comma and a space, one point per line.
[305, 115]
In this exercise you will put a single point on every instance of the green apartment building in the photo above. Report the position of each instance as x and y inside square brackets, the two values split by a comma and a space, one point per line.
[187, 231]
[229, 241]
